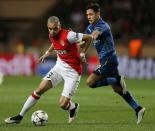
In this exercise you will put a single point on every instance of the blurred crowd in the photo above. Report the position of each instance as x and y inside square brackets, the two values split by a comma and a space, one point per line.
[128, 19]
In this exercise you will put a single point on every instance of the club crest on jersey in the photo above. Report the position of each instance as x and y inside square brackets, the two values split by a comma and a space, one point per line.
[62, 42]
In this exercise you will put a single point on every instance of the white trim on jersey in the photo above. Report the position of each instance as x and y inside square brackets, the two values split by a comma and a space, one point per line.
[74, 37]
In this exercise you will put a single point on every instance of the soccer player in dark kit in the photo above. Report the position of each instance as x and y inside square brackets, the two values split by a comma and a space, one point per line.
[107, 73]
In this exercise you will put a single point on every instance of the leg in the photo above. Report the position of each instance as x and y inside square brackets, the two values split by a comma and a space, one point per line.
[30, 102]
[50, 80]
[67, 104]
[94, 81]
[120, 88]
[71, 83]
[102, 76]
[126, 96]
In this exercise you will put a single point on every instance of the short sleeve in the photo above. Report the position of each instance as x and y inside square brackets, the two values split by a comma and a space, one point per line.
[102, 28]
[74, 37]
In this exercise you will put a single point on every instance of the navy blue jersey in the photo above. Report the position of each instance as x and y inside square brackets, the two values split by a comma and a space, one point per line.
[104, 44]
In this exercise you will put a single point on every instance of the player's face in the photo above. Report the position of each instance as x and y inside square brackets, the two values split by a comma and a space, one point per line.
[92, 16]
[54, 28]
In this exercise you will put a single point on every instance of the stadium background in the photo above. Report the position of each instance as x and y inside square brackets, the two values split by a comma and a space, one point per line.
[24, 36]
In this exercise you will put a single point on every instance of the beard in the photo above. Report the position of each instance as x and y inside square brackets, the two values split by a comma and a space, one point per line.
[53, 34]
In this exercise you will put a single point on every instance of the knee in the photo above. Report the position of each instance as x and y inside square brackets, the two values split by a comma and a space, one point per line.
[39, 91]
[90, 84]
[43, 87]
[62, 105]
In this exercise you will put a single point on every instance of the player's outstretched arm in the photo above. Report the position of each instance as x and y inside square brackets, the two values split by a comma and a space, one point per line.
[95, 34]
[85, 43]
[84, 46]
[46, 54]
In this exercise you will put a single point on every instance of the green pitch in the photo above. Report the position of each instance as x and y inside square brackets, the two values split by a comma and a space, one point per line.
[100, 109]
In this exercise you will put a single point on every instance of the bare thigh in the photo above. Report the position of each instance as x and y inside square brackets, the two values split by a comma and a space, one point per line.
[43, 86]
[92, 79]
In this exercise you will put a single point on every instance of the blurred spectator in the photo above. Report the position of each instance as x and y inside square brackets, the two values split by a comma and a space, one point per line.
[135, 48]
[126, 18]
[3, 33]
[77, 19]
[3, 38]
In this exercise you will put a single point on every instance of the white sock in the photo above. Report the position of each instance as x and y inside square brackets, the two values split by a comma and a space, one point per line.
[31, 101]
[72, 105]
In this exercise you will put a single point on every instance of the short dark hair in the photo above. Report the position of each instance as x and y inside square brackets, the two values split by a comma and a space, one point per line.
[94, 6]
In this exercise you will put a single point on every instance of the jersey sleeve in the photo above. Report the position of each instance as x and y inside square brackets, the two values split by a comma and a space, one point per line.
[74, 37]
[102, 28]
[88, 30]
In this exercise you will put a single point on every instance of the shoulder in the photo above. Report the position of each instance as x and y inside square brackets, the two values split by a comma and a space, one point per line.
[103, 24]
[63, 33]
[64, 30]
[71, 34]
[89, 29]
[74, 37]
[89, 26]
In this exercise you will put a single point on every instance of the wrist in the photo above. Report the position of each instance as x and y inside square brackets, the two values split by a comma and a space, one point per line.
[47, 53]
[93, 37]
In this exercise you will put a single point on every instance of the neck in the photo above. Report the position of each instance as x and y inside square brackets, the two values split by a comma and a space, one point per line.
[57, 35]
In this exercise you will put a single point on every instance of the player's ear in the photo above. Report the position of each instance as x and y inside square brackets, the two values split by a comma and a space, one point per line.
[59, 24]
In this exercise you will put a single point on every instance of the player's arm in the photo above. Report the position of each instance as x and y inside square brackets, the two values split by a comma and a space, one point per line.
[96, 33]
[84, 46]
[99, 30]
[85, 43]
[84, 40]
[46, 54]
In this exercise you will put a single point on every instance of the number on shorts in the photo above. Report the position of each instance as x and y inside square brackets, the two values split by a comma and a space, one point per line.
[49, 74]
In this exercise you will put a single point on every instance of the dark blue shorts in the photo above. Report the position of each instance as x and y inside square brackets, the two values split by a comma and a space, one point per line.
[109, 68]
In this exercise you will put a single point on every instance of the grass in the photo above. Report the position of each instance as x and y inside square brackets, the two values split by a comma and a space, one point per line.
[100, 109]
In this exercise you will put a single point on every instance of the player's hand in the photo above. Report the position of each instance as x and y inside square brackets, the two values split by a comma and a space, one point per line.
[83, 58]
[81, 44]
[42, 58]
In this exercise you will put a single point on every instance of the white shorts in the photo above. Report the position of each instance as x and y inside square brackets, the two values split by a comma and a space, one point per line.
[62, 71]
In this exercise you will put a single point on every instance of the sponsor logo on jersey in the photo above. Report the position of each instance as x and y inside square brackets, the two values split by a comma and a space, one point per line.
[61, 52]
